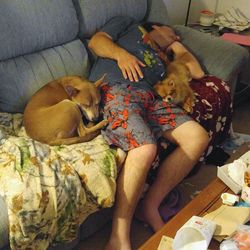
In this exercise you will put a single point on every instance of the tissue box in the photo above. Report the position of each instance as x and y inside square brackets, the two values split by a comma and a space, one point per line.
[222, 173]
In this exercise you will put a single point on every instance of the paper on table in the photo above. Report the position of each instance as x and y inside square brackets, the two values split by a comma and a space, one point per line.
[237, 38]
[228, 219]
[166, 243]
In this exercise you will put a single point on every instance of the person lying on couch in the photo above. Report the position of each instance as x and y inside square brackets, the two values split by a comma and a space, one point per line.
[137, 119]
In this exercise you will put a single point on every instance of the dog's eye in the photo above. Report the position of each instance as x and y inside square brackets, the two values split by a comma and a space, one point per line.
[171, 83]
[86, 106]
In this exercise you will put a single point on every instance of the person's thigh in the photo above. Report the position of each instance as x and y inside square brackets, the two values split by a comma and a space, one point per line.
[186, 133]
[124, 110]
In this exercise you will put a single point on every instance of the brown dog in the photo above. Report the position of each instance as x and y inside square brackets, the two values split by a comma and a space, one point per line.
[54, 114]
[175, 87]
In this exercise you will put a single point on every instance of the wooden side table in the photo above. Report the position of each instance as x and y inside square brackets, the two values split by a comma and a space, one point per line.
[208, 200]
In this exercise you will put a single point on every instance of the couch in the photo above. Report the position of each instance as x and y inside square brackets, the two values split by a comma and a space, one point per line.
[46, 193]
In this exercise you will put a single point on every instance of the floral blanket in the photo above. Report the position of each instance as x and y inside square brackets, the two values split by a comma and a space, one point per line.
[51, 190]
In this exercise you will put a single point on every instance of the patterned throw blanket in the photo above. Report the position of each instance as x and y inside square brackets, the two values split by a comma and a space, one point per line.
[51, 190]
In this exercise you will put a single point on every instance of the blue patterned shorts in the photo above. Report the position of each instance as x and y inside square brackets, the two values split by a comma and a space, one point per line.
[136, 116]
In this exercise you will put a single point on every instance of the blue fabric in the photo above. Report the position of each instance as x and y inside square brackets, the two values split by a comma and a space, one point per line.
[126, 33]
[93, 14]
[21, 77]
[27, 26]
[4, 224]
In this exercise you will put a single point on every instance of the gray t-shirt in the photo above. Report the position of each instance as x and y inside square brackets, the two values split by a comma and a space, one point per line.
[128, 34]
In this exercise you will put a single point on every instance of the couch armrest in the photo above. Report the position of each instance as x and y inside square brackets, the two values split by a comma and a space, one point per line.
[218, 57]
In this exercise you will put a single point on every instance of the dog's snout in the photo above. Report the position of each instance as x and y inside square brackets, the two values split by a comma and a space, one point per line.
[92, 116]
[91, 113]
[95, 119]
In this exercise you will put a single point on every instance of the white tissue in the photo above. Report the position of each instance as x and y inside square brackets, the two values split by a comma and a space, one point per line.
[236, 171]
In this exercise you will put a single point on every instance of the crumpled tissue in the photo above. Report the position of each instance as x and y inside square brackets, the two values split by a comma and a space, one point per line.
[236, 171]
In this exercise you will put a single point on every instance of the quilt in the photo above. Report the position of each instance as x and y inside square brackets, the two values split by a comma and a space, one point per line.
[50, 190]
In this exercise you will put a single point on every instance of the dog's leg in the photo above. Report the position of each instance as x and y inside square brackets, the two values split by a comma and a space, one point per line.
[73, 140]
[189, 102]
[85, 134]
[83, 130]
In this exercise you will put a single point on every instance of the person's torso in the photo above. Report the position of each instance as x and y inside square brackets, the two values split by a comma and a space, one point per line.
[133, 41]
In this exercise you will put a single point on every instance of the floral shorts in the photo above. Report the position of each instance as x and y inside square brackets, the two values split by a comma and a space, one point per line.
[136, 116]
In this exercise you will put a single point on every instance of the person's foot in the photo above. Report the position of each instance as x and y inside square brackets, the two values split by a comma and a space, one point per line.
[150, 215]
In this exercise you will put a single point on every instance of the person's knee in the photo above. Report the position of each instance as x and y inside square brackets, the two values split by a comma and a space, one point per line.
[145, 152]
[192, 134]
[150, 150]
[199, 137]
[203, 138]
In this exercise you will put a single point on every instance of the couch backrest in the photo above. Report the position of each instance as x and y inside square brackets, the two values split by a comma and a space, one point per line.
[157, 11]
[37, 44]
[39, 40]
[31, 25]
[93, 14]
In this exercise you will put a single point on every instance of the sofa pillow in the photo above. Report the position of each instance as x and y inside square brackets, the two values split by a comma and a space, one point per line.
[31, 25]
[21, 77]
[93, 14]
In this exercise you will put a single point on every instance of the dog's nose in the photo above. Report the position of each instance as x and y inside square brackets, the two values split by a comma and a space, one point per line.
[168, 98]
[95, 119]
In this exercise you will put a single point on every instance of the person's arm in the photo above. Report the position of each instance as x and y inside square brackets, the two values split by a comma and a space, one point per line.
[180, 52]
[103, 45]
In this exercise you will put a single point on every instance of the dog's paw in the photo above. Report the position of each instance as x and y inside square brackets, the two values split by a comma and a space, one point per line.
[104, 122]
[188, 109]
[188, 104]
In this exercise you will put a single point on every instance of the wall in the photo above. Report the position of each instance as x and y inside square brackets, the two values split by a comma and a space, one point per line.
[177, 8]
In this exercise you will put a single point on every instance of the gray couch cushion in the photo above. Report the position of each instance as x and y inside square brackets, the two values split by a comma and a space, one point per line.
[220, 58]
[27, 26]
[93, 14]
[22, 76]
[157, 11]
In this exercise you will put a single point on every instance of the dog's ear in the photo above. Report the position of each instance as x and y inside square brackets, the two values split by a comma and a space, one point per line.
[189, 75]
[102, 81]
[71, 91]
[171, 83]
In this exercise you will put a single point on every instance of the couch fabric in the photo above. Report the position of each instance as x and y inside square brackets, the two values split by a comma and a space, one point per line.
[94, 13]
[211, 50]
[39, 42]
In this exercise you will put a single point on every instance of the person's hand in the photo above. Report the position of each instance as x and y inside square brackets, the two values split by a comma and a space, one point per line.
[130, 66]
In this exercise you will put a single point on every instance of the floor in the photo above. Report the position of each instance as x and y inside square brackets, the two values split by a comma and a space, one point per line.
[188, 188]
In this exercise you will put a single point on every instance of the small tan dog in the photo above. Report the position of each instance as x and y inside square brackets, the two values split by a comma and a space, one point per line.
[175, 87]
[54, 114]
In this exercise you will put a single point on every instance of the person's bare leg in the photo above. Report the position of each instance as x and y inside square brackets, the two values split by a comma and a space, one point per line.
[191, 140]
[129, 187]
